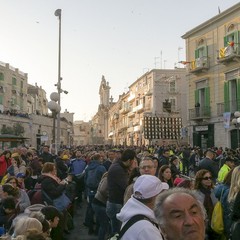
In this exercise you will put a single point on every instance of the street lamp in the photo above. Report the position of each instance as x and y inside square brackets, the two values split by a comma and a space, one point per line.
[236, 122]
[55, 108]
[58, 13]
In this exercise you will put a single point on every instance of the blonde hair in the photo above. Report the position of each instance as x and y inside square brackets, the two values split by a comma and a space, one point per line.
[235, 184]
[24, 224]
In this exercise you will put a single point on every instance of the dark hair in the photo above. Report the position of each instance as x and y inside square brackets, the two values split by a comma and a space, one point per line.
[128, 154]
[160, 175]
[134, 173]
[29, 154]
[12, 178]
[50, 212]
[10, 190]
[161, 171]
[9, 202]
[29, 172]
[198, 178]
[5, 153]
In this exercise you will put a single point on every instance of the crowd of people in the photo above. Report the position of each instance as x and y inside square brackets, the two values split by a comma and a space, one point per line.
[153, 192]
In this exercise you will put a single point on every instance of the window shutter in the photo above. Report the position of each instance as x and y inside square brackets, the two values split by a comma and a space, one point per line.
[238, 94]
[226, 97]
[236, 38]
[205, 51]
[196, 96]
[225, 41]
[196, 54]
[1, 99]
[207, 97]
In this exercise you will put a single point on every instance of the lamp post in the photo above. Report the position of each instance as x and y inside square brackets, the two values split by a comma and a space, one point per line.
[58, 13]
[55, 109]
[236, 122]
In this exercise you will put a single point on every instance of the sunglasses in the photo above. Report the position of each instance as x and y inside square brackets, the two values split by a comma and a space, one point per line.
[207, 178]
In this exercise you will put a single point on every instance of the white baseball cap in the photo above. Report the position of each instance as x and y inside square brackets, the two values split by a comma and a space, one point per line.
[147, 186]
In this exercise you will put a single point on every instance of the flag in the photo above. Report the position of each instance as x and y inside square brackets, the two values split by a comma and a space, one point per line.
[184, 62]
[226, 119]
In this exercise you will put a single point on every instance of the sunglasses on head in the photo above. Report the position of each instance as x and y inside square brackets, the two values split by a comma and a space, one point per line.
[207, 178]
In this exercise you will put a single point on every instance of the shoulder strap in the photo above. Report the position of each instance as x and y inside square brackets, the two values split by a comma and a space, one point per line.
[133, 220]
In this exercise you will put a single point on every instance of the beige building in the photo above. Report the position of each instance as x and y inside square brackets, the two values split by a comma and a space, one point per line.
[82, 133]
[36, 100]
[153, 111]
[13, 89]
[212, 61]
[26, 105]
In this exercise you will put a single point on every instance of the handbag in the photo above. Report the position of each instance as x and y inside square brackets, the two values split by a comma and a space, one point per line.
[62, 202]
[217, 224]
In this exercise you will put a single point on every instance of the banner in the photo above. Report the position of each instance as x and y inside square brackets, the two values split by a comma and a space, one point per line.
[226, 119]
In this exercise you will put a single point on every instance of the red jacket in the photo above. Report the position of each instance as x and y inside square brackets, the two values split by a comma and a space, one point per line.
[4, 164]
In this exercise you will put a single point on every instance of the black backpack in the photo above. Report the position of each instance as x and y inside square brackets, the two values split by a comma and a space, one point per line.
[130, 222]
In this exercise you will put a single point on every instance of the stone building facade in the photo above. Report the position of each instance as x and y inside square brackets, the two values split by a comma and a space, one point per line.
[213, 76]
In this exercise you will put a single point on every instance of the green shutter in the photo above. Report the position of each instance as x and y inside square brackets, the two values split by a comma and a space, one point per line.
[225, 41]
[196, 54]
[196, 96]
[226, 97]
[238, 94]
[207, 97]
[1, 77]
[207, 101]
[205, 51]
[236, 41]
[1, 99]
[236, 38]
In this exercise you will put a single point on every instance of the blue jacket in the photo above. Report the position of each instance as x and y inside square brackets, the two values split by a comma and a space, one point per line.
[223, 189]
[95, 177]
[77, 166]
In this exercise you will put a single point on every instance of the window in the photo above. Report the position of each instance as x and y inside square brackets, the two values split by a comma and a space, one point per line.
[231, 95]
[201, 52]
[202, 97]
[172, 86]
[173, 103]
[14, 81]
[1, 76]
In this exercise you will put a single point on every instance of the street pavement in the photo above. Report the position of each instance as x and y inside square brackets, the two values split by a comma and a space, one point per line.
[80, 232]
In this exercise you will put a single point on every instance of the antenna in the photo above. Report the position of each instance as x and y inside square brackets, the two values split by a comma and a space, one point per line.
[179, 49]
[161, 58]
[155, 61]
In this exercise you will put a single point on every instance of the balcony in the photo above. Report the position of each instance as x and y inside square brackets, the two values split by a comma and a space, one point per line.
[131, 97]
[139, 108]
[125, 109]
[199, 113]
[130, 129]
[131, 114]
[229, 54]
[199, 65]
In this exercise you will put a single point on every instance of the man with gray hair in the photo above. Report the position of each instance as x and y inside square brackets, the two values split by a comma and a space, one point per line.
[180, 215]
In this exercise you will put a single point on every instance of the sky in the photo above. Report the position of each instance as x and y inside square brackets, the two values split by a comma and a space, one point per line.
[118, 39]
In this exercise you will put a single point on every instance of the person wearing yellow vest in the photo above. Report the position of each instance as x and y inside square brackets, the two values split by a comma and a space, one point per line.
[227, 166]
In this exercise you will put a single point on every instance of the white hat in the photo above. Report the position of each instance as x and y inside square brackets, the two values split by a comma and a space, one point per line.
[147, 186]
